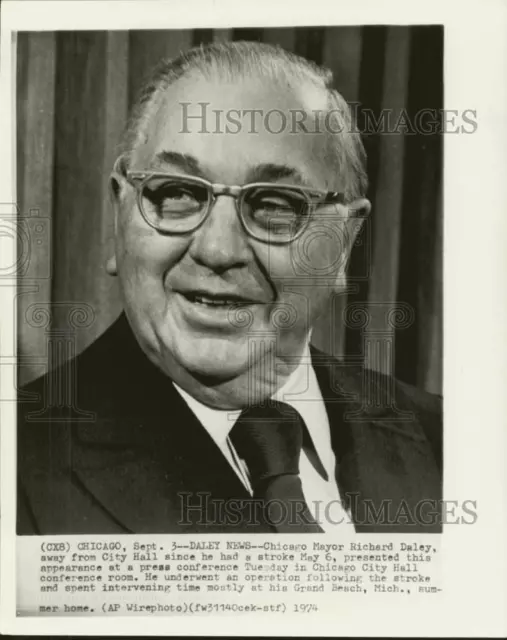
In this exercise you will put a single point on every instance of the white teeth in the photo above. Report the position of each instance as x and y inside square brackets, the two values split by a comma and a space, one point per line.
[214, 303]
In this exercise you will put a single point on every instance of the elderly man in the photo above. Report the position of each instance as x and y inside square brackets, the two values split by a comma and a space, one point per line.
[204, 408]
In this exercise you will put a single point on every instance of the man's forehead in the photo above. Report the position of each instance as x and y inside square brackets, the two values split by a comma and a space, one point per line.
[244, 91]
[207, 104]
[233, 125]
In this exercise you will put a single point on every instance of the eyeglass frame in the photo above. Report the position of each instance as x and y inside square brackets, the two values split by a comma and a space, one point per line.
[138, 179]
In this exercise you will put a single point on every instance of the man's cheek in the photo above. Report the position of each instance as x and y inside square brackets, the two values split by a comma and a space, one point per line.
[323, 252]
[314, 258]
[294, 309]
[141, 279]
[148, 252]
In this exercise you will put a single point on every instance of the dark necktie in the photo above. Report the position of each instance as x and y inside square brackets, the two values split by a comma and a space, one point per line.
[269, 440]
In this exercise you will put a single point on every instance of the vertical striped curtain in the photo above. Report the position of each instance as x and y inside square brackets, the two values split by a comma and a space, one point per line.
[74, 90]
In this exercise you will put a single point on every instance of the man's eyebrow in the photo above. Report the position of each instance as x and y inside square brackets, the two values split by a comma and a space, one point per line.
[266, 172]
[183, 161]
[271, 172]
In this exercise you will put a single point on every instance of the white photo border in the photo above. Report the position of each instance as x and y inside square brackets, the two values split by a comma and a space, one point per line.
[475, 304]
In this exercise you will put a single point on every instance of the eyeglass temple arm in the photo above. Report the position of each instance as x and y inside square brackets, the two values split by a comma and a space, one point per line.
[334, 197]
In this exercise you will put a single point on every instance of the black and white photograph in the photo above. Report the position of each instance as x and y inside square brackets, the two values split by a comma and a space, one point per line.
[243, 300]
[246, 337]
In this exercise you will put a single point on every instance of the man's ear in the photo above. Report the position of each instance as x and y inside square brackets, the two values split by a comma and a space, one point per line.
[357, 212]
[117, 183]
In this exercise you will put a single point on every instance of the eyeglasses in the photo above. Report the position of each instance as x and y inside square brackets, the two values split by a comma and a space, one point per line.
[269, 212]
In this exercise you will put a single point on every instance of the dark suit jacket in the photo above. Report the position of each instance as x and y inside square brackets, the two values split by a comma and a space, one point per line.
[107, 445]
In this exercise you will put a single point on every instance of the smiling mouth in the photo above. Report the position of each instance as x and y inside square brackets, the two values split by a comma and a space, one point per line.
[218, 301]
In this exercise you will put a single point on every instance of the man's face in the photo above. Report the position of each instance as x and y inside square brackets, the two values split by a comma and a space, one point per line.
[164, 278]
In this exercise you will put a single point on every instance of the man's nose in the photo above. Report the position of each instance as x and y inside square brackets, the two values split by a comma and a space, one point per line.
[221, 242]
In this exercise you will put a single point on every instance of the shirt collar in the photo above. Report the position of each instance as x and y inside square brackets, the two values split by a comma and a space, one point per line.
[301, 390]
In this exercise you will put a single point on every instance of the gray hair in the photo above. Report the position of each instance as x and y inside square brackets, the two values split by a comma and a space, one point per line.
[229, 60]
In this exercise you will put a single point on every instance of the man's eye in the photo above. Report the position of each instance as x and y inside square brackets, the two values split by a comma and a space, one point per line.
[276, 205]
[176, 198]
[176, 195]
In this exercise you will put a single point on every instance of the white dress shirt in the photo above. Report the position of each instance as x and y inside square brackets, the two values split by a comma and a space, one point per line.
[302, 392]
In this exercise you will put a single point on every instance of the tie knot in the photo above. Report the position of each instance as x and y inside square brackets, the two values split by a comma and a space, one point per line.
[269, 439]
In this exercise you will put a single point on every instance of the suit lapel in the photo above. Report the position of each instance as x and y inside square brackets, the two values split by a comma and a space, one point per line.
[168, 476]
[385, 465]
[148, 461]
